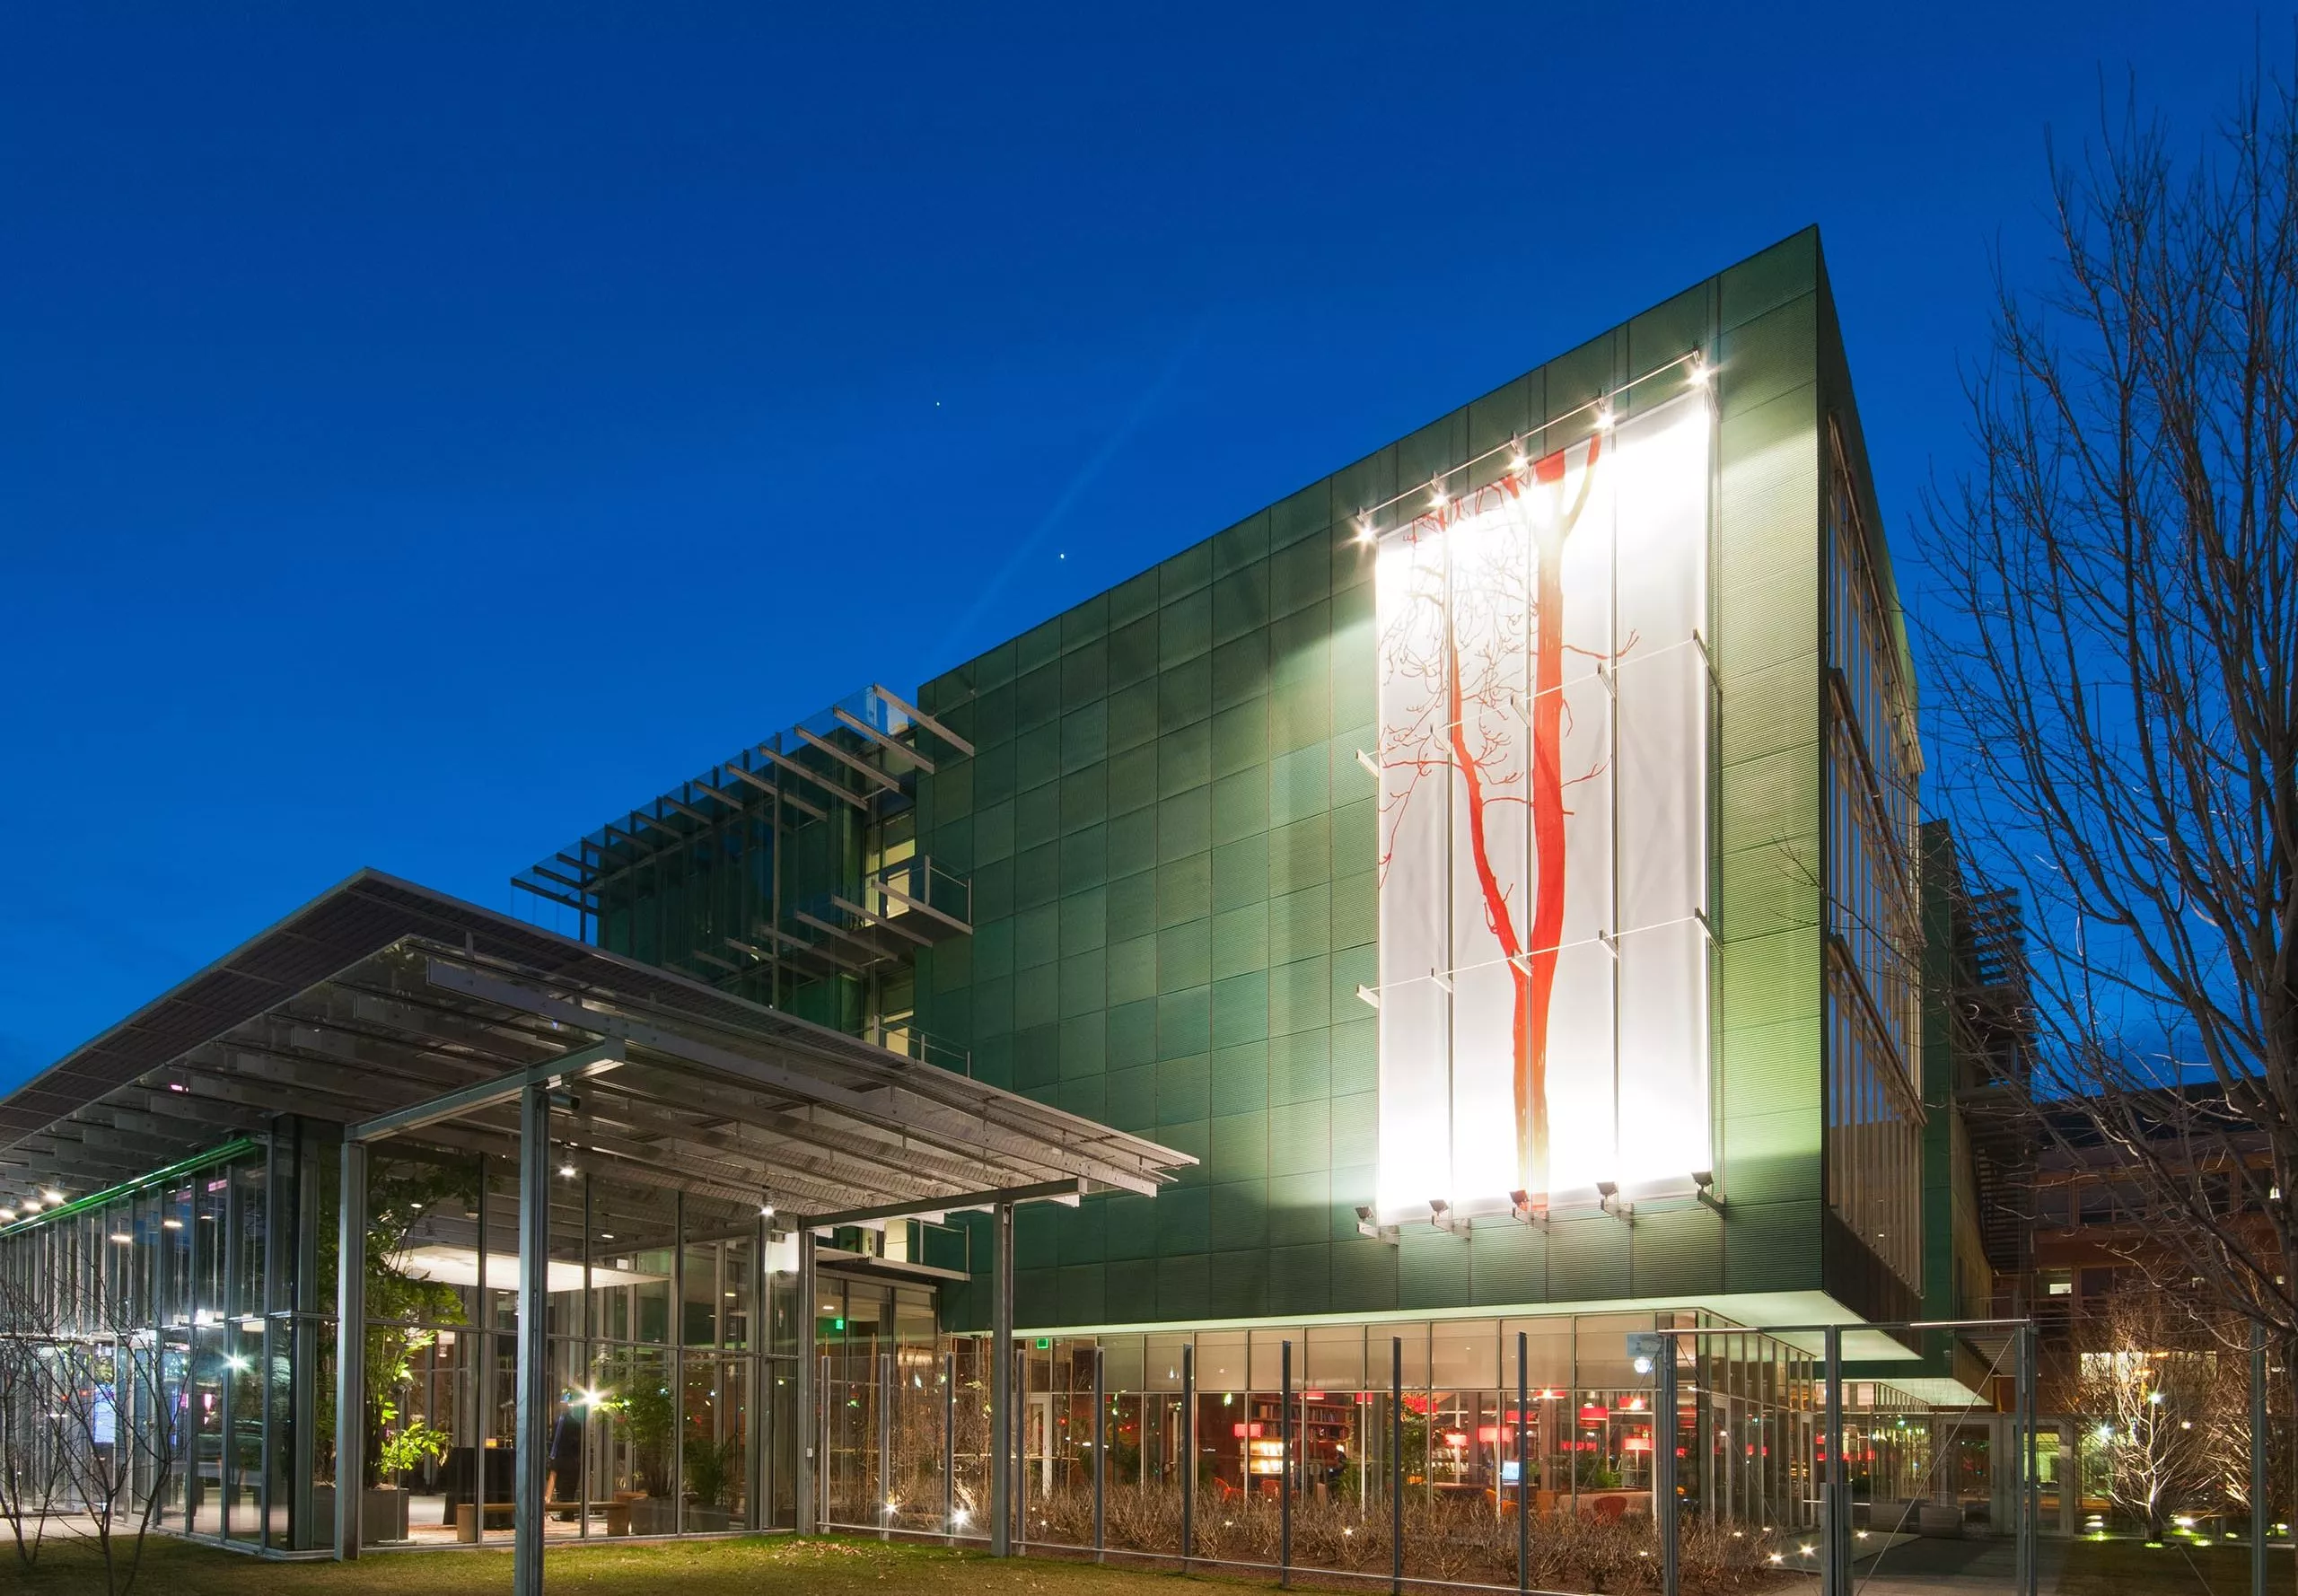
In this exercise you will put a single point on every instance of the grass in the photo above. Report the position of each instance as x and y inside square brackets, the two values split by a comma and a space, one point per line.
[2120, 1566]
[763, 1566]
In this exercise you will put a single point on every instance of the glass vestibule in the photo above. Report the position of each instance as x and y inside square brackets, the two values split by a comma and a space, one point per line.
[653, 1301]
[189, 1335]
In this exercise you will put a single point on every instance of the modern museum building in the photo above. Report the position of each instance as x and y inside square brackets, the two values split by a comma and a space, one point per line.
[1317, 1000]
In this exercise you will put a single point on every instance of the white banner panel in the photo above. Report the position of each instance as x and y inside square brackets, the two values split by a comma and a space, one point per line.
[1544, 730]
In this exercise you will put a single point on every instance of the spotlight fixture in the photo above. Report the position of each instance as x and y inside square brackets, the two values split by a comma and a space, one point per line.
[1436, 494]
[1604, 419]
[7, 1216]
[1441, 1216]
[566, 1171]
[52, 1195]
[1698, 369]
[1364, 533]
[1517, 458]
[32, 1207]
[1704, 1186]
[1369, 1226]
[1522, 1208]
[765, 1209]
[1608, 1199]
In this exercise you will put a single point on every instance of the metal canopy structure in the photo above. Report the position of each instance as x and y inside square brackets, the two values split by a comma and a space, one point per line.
[380, 996]
[409, 1019]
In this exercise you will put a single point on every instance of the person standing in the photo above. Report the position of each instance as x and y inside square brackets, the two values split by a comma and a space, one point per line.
[566, 1458]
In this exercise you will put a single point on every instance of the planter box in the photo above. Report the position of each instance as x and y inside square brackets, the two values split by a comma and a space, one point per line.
[382, 1514]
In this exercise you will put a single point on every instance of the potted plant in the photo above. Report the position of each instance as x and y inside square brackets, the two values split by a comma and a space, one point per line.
[711, 1469]
[382, 1508]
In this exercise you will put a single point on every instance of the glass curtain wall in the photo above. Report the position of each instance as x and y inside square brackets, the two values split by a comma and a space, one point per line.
[1874, 1118]
[183, 1356]
[654, 1299]
[905, 1433]
[155, 1339]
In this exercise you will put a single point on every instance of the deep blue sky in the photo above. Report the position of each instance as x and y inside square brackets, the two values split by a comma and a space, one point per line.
[422, 437]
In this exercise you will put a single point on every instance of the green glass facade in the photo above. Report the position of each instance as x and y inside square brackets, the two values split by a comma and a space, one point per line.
[1153, 809]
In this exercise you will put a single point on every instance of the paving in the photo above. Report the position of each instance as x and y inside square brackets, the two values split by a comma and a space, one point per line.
[1924, 1565]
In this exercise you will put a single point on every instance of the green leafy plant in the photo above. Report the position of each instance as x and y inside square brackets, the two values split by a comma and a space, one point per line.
[408, 1446]
[400, 1193]
[712, 1466]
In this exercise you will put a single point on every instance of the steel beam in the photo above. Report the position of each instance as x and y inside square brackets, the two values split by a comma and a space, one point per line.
[1039, 1191]
[579, 1064]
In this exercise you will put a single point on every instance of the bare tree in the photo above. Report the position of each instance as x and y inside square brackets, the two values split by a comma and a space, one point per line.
[91, 1401]
[2115, 639]
[2168, 1400]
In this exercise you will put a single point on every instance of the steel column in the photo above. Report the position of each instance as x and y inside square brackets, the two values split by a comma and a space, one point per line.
[530, 1442]
[808, 1424]
[1100, 1452]
[2260, 1514]
[1835, 1537]
[482, 1374]
[231, 1304]
[760, 1309]
[1396, 1464]
[1664, 1467]
[274, 1247]
[1001, 1381]
[302, 1530]
[950, 1448]
[678, 1362]
[2023, 1461]
[350, 1351]
[885, 1445]
[590, 1328]
[1284, 1459]
[1524, 1463]
[1188, 1452]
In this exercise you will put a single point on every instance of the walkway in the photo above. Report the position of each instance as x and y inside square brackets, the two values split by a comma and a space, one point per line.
[1926, 1567]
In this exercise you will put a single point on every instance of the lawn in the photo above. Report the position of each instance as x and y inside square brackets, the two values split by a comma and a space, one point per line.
[2118, 1568]
[778, 1566]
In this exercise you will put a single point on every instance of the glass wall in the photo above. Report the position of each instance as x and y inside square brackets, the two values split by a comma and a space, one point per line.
[177, 1350]
[905, 1433]
[1874, 1117]
[154, 1349]
[194, 1369]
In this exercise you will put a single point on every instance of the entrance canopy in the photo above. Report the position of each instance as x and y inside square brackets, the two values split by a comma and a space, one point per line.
[400, 1013]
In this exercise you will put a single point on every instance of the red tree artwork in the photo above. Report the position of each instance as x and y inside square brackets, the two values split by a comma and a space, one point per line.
[1473, 658]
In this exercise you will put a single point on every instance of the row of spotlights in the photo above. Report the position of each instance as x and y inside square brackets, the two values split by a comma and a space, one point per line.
[1699, 373]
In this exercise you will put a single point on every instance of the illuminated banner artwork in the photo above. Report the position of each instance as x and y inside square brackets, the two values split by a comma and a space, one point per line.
[1543, 758]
